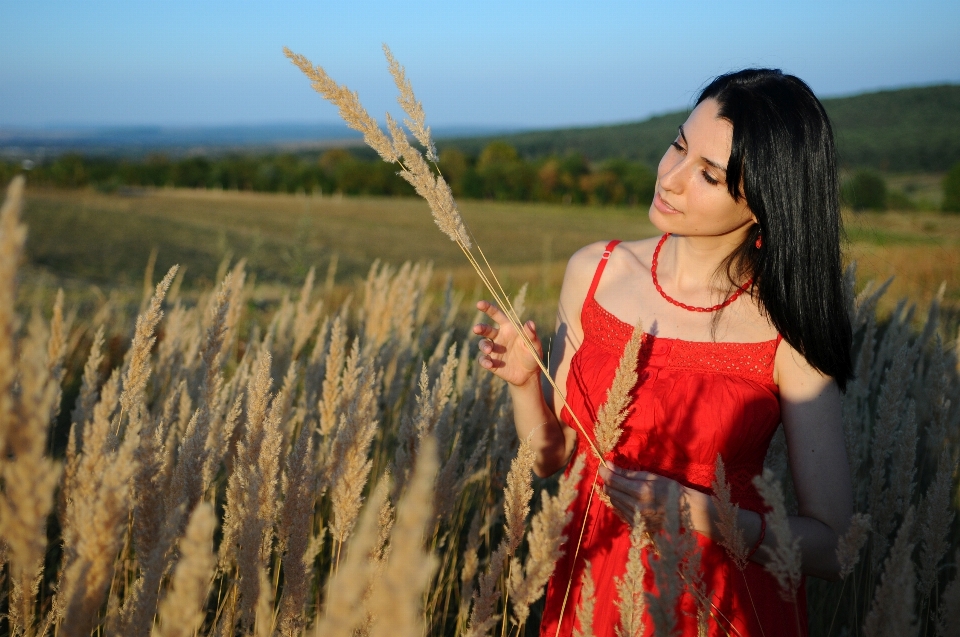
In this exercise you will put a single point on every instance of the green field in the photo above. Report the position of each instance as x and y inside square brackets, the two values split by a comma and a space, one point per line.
[82, 237]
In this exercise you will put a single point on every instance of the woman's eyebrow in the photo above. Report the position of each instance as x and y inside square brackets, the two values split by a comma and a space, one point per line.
[708, 161]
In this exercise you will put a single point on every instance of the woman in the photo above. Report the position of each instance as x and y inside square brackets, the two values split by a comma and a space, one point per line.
[742, 302]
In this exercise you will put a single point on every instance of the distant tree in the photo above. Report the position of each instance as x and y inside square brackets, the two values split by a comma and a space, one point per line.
[866, 190]
[951, 190]
[454, 166]
[69, 171]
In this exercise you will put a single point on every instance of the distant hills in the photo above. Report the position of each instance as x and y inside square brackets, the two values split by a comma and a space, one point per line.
[904, 130]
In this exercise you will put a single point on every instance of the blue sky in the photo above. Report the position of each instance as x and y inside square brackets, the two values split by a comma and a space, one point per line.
[521, 63]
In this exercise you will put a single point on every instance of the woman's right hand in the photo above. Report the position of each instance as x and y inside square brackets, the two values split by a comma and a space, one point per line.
[502, 350]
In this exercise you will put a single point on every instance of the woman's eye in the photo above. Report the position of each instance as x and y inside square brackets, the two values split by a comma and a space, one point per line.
[678, 147]
[710, 180]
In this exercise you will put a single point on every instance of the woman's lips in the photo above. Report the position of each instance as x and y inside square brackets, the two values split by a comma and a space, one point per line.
[663, 206]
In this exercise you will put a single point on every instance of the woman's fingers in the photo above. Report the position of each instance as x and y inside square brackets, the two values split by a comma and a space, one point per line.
[493, 312]
[486, 331]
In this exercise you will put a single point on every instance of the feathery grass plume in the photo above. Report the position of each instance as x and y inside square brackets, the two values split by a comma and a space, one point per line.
[352, 450]
[182, 609]
[731, 535]
[263, 623]
[343, 608]
[470, 566]
[948, 615]
[587, 602]
[899, 493]
[100, 513]
[936, 519]
[433, 188]
[89, 385]
[614, 410]
[138, 370]
[330, 396]
[396, 595]
[850, 543]
[631, 601]
[546, 537]
[294, 533]
[411, 106]
[517, 495]
[306, 318]
[27, 475]
[892, 612]
[239, 504]
[483, 615]
[261, 478]
[13, 235]
[348, 102]
[784, 560]
[674, 567]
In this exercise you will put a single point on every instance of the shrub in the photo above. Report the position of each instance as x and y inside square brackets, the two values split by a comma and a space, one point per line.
[951, 190]
[866, 190]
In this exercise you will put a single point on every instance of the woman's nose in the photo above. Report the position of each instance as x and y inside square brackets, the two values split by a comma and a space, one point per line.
[671, 173]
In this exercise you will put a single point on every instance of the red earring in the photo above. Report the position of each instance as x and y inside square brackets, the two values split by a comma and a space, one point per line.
[759, 241]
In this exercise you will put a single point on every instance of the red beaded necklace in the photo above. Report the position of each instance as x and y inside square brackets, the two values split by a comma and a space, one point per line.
[656, 284]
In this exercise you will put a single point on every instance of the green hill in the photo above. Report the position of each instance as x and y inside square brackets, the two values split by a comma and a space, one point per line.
[904, 130]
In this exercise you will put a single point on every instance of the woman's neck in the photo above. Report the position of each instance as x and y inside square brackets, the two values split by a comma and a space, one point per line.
[691, 262]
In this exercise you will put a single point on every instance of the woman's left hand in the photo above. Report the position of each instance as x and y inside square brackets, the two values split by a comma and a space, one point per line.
[633, 492]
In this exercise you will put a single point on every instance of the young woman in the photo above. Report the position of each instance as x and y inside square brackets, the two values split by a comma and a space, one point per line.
[742, 302]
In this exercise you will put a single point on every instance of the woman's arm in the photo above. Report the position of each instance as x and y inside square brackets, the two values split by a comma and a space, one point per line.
[536, 408]
[810, 412]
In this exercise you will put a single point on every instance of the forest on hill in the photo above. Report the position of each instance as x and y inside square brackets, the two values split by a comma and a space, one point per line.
[903, 130]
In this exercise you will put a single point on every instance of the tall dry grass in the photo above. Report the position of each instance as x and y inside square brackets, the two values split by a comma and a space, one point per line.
[342, 468]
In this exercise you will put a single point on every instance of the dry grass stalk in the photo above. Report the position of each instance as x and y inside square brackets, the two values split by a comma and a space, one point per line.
[675, 567]
[891, 613]
[517, 496]
[731, 535]
[411, 106]
[484, 615]
[397, 595]
[13, 235]
[631, 600]
[343, 609]
[948, 615]
[352, 450]
[936, 520]
[433, 188]
[182, 610]
[139, 368]
[295, 531]
[850, 543]
[587, 602]
[615, 408]
[28, 476]
[785, 558]
[527, 581]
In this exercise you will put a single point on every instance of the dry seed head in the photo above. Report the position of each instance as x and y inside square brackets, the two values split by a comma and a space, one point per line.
[614, 410]
[348, 102]
[587, 601]
[631, 600]
[731, 535]
[519, 491]
[784, 560]
[182, 609]
[411, 106]
[850, 543]
[891, 613]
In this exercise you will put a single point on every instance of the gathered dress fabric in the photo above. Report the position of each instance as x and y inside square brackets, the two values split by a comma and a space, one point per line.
[692, 401]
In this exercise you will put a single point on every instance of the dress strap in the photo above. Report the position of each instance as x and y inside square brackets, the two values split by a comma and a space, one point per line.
[600, 266]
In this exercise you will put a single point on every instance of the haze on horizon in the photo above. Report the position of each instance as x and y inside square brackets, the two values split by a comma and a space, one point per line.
[533, 64]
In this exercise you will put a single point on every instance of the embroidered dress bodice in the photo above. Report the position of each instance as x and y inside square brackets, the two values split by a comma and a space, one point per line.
[693, 400]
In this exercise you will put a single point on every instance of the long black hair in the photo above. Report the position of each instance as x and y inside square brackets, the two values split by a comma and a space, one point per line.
[783, 161]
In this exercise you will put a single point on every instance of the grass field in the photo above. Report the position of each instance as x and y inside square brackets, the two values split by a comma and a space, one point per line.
[79, 237]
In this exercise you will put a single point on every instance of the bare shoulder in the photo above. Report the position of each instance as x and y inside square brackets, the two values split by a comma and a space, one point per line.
[576, 282]
[641, 250]
[797, 379]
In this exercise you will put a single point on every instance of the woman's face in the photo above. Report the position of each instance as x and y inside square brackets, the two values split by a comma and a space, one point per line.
[691, 197]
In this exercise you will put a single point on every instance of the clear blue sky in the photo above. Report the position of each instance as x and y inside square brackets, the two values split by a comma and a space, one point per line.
[516, 63]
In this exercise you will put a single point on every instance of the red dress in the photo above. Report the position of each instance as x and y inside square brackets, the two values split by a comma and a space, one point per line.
[693, 401]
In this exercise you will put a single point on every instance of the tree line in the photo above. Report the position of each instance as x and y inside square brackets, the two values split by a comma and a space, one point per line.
[498, 172]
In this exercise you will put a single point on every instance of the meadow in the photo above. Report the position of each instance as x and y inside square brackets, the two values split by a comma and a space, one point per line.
[288, 434]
